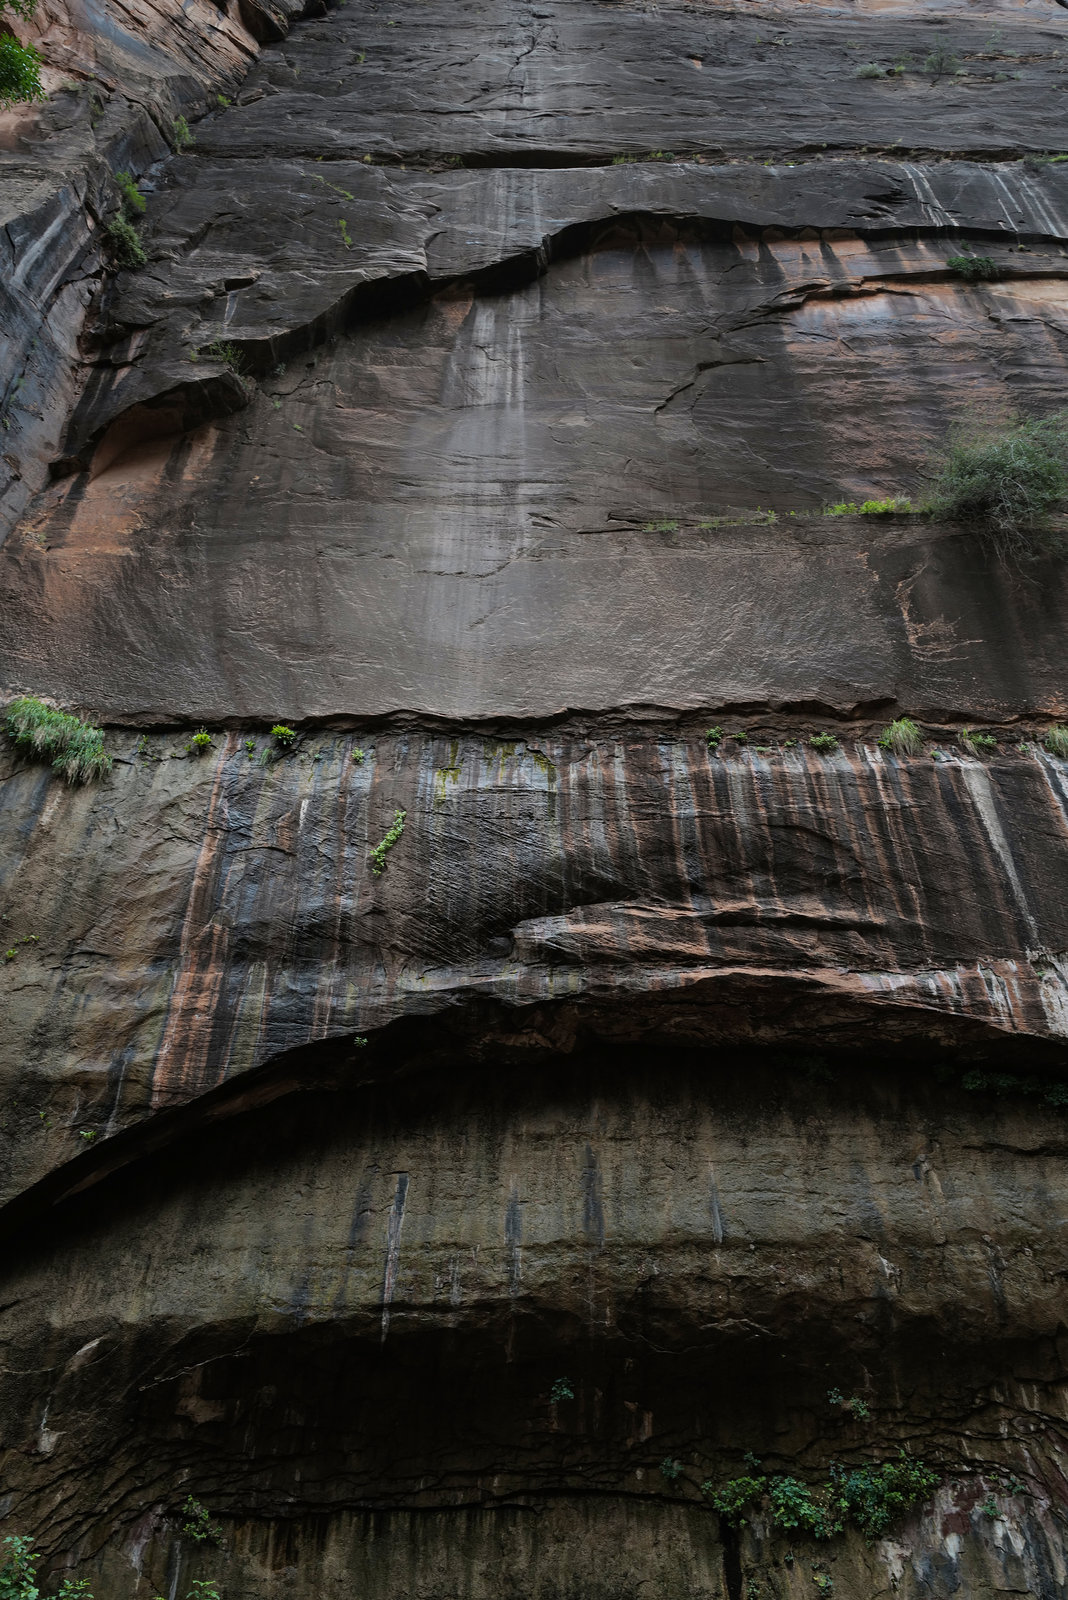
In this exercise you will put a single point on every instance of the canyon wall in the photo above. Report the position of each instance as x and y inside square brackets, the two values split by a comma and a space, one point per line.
[452, 1141]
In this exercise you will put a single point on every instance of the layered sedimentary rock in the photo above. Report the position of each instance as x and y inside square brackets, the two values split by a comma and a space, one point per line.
[445, 1142]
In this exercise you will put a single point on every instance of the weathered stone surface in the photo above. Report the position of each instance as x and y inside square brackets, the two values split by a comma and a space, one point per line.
[196, 918]
[487, 468]
[709, 1084]
[118, 77]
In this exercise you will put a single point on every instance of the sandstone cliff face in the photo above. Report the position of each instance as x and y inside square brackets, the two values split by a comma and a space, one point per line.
[443, 1229]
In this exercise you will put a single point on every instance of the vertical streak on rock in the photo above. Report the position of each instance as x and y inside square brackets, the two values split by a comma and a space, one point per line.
[181, 1060]
[978, 785]
[513, 1238]
[393, 1233]
[713, 1205]
[592, 1200]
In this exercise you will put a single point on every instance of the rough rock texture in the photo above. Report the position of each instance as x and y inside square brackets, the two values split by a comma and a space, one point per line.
[443, 1229]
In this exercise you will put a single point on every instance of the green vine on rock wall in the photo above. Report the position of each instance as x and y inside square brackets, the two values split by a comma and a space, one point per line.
[380, 851]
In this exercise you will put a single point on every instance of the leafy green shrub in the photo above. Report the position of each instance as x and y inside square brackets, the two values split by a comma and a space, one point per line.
[1056, 740]
[283, 735]
[18, 1577]
[795, 1506]
[824, 742]
[134, 203]
[203, 1589]
[20, 71]
[197, 1524]
[229, 355]
[561, 1390]
[125, 245]
[872, 1497]
[713, 737]
[941, 62]
[972, 267]
[903, 737]
[76, 750]
[380, 851]
[1004, 479]
[181, 137]
[670, 1469]
[870, 69]
[200, 742]
[359, 756]
[731, 1499]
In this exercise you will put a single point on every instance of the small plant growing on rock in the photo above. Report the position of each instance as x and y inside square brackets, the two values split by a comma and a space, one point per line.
[75, 748]
[283, 735]
[125, 245]
[1056, 740]
[561, 1390]
[181, 137]
[230, 355]
[713, 737]
[203, 1589]
[990, 1508]
[823, 742]
[197, 1524]
[941, 62]
[852, 1403]
[903, 737]
[670, 1469]
[976, 743]
[250, 748]
[20, 64]
[200, 743]
[359, 756]
[380, 851]
[1004, 478]
[134, 203]
[870, 69]
[972, 267]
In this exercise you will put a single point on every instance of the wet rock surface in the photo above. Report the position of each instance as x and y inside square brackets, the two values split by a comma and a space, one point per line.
[443, 1228]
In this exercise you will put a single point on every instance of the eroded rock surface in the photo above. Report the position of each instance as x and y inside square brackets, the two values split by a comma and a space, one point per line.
[442, 1229]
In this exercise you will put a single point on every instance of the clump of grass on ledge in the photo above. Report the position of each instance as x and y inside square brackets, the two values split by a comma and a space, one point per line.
[891, 506]
[973, 267]
[870, 69]
[1004, 477]
[200, 742]
[824, 743]
[75, 749]
[976, 743]
[1056, 740]
[903, 737]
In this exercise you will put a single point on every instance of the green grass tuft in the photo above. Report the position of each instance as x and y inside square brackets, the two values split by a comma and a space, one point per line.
[903, 737]
[75, 749]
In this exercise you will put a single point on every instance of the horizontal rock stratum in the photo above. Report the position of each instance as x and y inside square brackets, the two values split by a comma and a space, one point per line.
[502, 1113]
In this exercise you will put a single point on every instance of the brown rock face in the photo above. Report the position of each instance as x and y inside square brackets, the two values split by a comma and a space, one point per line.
[457, 1146]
